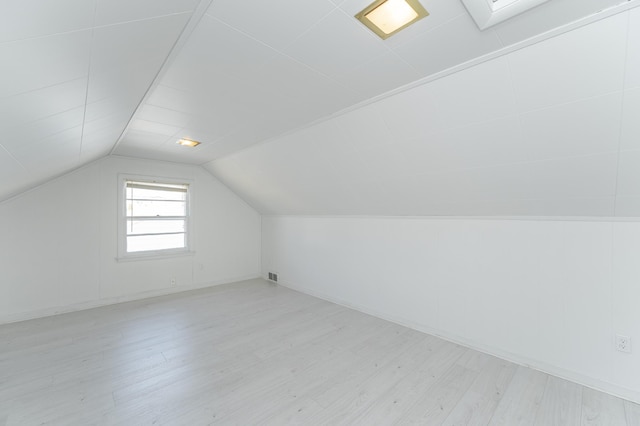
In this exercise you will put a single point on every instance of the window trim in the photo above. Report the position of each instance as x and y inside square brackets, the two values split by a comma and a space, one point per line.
[123, 255]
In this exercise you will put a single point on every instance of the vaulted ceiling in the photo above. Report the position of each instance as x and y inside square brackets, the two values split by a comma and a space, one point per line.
[81, 79]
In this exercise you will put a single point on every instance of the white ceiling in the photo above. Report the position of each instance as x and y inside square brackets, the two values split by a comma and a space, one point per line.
[549, 130]
[85, 78]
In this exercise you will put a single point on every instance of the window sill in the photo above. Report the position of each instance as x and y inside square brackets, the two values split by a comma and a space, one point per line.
[154, 256]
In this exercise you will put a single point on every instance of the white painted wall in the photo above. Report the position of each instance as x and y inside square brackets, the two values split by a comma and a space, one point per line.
[58, 243]
[551, 294]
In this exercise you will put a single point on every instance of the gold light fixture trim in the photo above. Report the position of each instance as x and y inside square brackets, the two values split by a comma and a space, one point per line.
[387, 17]
[188, 142]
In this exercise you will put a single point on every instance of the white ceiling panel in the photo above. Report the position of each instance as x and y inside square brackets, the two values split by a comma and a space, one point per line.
[216, 51]
[97, 141]
[365, 127]
[164, 115]
[578, 128]
[335, 45]
[448, 45]
[474, 95]
[630, 137]
[9, 166]
[39, 104]
[294, 80]
[38, 63]
[627, 206]
[629, 174]
[40, 129]
[153, 127]
[145, 139]
[61, 147]
[13, 177]
[125, 45]
[255, 18]
[633, 50]
[379, 75]
[548, 16]
[34, 18]
[129, 82]
[479, 145]
[117, 11]
[590, 176]
[412, 114]
[580, 64]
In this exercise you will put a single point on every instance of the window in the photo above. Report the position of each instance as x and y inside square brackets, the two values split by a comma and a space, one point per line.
[155, 218]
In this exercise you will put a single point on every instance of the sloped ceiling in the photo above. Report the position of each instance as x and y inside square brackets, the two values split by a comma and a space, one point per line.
[72, 74]
[81, 79]
[549, 130]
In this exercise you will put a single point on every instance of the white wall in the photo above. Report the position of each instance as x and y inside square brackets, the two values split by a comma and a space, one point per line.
[59, 242]
[551, 294]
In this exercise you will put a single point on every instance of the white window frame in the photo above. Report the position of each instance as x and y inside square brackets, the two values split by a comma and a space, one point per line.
[488, 13]
[123, 255]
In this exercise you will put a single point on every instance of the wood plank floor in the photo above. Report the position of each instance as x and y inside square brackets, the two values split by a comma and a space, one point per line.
[254, 353]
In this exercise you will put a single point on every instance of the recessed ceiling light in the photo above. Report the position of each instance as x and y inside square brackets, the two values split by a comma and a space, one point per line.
[387, 17]
[188, 142]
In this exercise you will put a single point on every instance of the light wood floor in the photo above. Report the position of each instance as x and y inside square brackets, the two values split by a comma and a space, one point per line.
[253, 353]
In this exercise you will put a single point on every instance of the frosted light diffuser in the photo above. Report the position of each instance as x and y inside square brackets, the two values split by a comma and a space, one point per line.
[188, 142]
[387, 17]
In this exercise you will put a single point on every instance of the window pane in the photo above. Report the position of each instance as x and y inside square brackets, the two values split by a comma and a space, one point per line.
[150, 194]
[156, 208]
[155, 242]
[136, 227]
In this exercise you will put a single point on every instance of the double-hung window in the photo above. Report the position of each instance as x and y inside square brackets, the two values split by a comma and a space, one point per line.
[156, 218]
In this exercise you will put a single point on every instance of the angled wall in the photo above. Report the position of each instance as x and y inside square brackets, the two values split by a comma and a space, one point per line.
[547, 130]
[59, 242]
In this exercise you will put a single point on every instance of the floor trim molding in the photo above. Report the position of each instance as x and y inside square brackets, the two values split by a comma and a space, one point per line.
[57, 310]
[590, 382]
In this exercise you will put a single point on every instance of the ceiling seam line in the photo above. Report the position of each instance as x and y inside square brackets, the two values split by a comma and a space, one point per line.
[48, 117]
[604, 14]
[14, 158]
[286, 55]
[315, 24]
[86, 93]
[226, 24]
[49, 86]
[189, 27]
[518, 163]
[79, 30]
[620, 128]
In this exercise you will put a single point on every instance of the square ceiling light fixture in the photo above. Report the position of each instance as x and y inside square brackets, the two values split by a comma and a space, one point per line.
[188, 142]
[487, 13]
[387, 17]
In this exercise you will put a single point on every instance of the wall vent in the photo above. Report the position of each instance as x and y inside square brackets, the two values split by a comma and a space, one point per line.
[487, 13]
[273, 277]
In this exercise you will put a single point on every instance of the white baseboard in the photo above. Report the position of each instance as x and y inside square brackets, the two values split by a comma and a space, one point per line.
[590, 382]
[47, 312]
